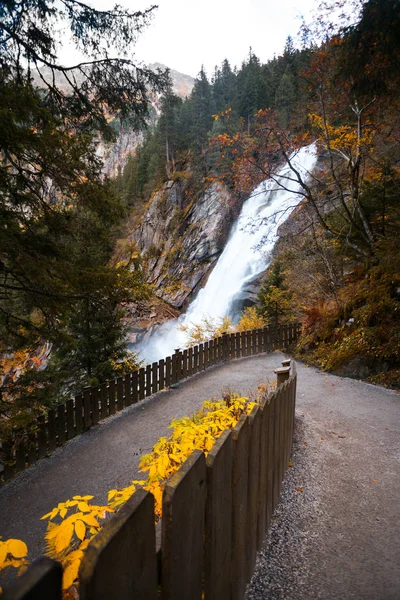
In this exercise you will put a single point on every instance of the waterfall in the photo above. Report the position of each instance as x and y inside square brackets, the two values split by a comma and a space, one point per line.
[246, 255]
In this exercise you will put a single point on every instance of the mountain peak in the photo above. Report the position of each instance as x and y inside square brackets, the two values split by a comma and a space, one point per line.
[182, 84]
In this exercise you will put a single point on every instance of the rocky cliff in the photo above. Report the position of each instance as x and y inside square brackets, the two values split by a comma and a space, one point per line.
[180, 237]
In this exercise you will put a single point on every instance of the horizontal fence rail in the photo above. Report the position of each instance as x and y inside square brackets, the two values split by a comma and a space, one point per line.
[216, 513]
[96, 403]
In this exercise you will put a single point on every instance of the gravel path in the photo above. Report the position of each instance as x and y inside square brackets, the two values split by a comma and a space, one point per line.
[336, 532]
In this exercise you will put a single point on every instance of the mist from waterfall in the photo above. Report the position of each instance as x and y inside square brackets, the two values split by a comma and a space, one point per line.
[246, 255]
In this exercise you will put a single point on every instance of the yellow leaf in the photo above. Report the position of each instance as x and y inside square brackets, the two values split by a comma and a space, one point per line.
[3, 553]
[87, 498]
[71, 574]
[84, 507]
[63, 512]
[64, 536]
[50, 515]
[90, 520]
[80, 530]
[17, 548]
[112, 494]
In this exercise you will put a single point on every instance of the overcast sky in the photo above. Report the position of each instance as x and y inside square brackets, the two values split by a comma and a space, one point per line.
[184, 34]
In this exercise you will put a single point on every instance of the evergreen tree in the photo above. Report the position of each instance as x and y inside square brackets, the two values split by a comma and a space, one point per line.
[252, 93]
[286, 96]
[201, 108]
[224, 87]
[56, 211]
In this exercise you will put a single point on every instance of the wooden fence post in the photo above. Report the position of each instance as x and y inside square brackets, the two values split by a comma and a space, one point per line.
[120, 562]
[42, 581]
[218, 524]
[240, 436]
[254, 476]
[282, 374]
[183, 530]
[264, 468]
[148, 381]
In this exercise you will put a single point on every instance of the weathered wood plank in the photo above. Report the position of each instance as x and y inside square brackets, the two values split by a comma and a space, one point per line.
[103, 400]
[120, 562]
[206, 359]
[190, 369]
[148, 380]
[254, 477]
[94, 404]
[168, 371]
[253, 344]
[128, 389]
[120, 393]
[240, 477]
[183, 530]
[154, 378]
[184, 364]
[263, 478]
[42, 581]
[135, 386]
[243, 343]
[60, 424]
[112, 389]
[218, 520]
[161, 374]
[142, 388]
[195, 359]
[237, 345]
[69, 409]
[201, 357]
[271, 461]
[79, 413]
[174, 371]
[265, 339]
[87, 417]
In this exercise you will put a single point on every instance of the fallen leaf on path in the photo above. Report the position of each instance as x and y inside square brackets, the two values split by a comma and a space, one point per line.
[373, 480]
[341, 436]
[322, 438]
[299, 489]
[290, 464]
[306, 443]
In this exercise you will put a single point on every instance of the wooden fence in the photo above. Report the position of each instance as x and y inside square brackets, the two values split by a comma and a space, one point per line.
[216, 512]
[78, 414]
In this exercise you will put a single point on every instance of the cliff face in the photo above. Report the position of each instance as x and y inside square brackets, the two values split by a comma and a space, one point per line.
[115, 155]
[181, 236]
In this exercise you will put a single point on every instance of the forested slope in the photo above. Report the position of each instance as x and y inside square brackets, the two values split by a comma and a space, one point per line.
[336, 265]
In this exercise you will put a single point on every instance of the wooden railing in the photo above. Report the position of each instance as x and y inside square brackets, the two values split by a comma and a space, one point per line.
[216, 512]
[78, 414]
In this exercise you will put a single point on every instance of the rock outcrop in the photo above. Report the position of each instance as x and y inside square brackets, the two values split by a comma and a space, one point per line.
[182, 235]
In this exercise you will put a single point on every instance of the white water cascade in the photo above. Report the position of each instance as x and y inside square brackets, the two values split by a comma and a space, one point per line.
[246, 255]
